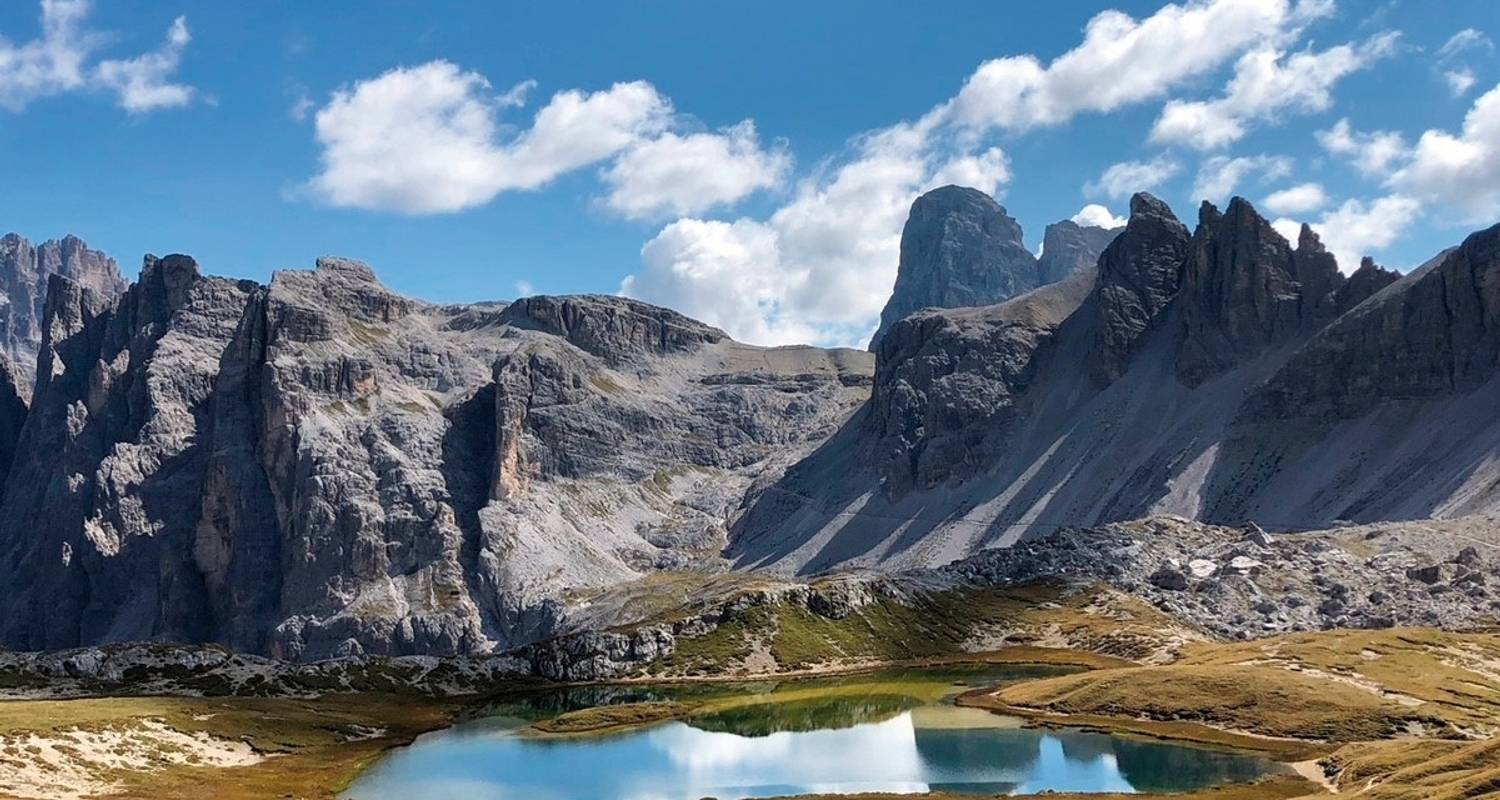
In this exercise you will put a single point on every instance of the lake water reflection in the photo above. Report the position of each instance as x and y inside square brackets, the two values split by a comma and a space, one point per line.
[870, 741]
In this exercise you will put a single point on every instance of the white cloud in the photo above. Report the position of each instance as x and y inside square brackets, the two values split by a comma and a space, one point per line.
[987, 172]
[1128, 177]
[144, 83]
[1098, 216]
[1463, 170]
[1267, 84]
[817, 270]
[1357, 229]
[1459, 77]
[693, 173]
[1460, 81]
[1122, 61]
[727, 273]
[59, 62]
[823, 264]
[1466, 39]
[1371, 153]
[1218, 176]
[524, 288]
[427, 139]
[1298, 199]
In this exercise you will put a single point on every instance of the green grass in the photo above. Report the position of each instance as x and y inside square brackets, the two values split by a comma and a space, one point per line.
[624, 715]
[931, 626]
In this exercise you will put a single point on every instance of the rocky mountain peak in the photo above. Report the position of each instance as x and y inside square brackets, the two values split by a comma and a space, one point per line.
[959, 248]
[1139, 273]
[1068, 247]
[1366, 281]
[1240, 293]
[613, 328]
[24, 273]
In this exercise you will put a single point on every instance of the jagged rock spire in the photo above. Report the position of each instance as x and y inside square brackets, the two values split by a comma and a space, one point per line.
[1138, 278]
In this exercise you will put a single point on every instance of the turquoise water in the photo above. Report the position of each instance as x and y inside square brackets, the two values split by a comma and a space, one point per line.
[891, 738]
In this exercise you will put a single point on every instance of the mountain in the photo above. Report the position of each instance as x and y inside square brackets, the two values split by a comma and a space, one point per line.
[960, 248]
[24, 272]
[319, 466]
[1223, 375]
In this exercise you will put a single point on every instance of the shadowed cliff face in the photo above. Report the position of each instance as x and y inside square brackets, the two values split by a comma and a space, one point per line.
[1222, 375]
[24, 272]
[960, 249]
[321, 466]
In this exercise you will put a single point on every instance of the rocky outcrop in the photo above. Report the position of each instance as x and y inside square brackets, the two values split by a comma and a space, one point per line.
[610, 327]
[1240, 292]
[24, 274]
[1224, 376]
[12, 415]
[1068, 247]
[1438, 336]
[959, 248]
[947, 381]
[1139, 274]
[320, 467]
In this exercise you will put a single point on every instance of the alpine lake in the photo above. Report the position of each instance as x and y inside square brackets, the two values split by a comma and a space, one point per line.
[895, 731]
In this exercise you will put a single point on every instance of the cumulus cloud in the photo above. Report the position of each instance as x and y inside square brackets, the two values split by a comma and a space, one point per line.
[987, 171]
[427, 139]
[817, 270]
[1267, 84]
[1373, 153]
[1122, 61]
[1299, 199]
[144, 83]
[822, 265]
[1356, 229]
[430, 139]
[1098, 216]
[1128, 177]
[674, 174]
[61, 61]
[1218, 176]
[1460, 170]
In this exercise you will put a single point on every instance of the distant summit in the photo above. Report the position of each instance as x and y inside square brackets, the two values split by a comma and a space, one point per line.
[960, 249]
[24, 273]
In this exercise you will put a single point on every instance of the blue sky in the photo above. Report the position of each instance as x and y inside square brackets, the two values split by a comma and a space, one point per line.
[747, 164]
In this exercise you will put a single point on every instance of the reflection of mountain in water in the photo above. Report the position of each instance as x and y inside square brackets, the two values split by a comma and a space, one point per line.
[1014, 751]
[1081, 746]
[822, 713]
[1160, 767]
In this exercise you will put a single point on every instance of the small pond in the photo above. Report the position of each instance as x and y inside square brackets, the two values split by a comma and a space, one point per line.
[886, 732]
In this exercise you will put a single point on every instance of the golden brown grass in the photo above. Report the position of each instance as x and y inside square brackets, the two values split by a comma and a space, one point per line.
[1277, 788]
[1423, 770]
[1055, 615]
[317, 744]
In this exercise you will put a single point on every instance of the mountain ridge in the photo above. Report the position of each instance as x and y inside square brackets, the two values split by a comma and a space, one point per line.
[318, 466]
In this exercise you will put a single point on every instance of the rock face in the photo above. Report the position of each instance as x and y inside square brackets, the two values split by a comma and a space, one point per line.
[1068, 247]
[1223, 375]
[24, 272]
[960, 249]
[1139, 274]
[320, 467]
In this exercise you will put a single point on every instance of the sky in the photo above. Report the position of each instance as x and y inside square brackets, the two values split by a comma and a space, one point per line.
[750, 165]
